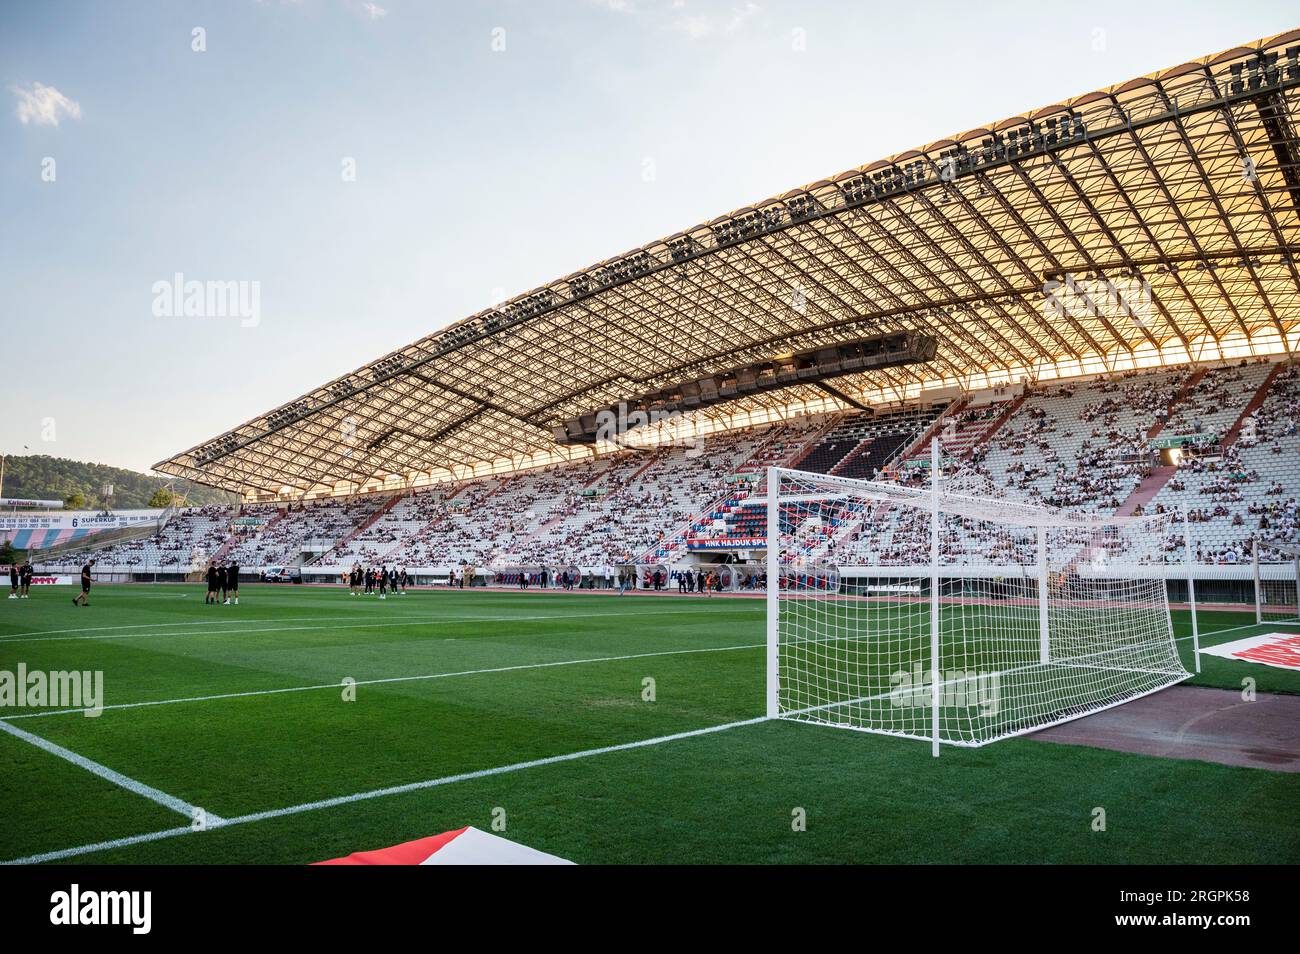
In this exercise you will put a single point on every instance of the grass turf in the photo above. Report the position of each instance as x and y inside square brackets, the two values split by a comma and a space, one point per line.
[520, 677]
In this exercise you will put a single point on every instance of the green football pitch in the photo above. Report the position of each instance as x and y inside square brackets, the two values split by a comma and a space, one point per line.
[306, 724]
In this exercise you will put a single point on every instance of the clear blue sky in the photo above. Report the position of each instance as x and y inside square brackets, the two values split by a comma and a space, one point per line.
[479, 173]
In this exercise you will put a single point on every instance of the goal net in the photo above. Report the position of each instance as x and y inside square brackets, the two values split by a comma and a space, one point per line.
[1275, 568]
[1020, 616]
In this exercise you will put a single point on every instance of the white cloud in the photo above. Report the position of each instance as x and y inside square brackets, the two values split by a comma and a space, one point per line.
[681, 16]
[699, 25]
[739, 15]
[374, 11]
[44, 105]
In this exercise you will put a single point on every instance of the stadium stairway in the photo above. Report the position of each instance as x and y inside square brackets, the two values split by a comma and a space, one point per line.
[961, 444]
[1179, 396]
[557, 515]
[362, 526]
[434, 523]
[815, 441]
[1146, 491]
[232, 540]
[773, 451]
[921, 446]
[1253, 405]
[1008, 411]
[223, 549]
[770, 452]
[864, 460]
[1155, 481]
[652, 458]
[965, 438]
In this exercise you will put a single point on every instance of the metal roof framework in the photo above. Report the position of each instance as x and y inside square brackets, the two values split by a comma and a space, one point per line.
[1160, 216]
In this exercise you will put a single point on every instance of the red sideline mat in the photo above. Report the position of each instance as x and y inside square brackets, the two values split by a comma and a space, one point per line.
[464, 846]
[1280, 650]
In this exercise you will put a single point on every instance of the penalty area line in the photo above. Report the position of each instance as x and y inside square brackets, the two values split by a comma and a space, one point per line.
[134, 786]
[216, 823]
[1236, 629]
[372, 623]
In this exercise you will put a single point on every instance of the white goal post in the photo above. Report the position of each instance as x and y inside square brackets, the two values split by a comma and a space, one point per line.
[1275, 575]
[954, 618]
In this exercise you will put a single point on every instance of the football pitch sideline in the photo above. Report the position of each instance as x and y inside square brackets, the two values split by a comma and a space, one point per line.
[305, 724]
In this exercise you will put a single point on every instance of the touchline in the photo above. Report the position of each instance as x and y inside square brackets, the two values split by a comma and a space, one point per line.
[64, 689]
[103, 907]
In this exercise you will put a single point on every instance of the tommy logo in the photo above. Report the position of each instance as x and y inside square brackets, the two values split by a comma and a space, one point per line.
[103, 907]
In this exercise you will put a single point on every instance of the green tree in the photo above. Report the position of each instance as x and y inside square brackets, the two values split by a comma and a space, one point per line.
[162, 497]
[56, 478]
[75, 501]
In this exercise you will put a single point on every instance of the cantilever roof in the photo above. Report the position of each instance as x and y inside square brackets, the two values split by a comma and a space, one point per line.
[1157, 216]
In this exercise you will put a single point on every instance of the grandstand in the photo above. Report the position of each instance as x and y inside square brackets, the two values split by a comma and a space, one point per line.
[1090, 444]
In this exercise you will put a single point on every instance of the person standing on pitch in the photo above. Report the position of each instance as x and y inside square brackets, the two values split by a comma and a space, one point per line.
[84, 598]
[13, 582]
[232, 583]
[221, 585]
[383, 583]
[25, 574]
[212, 584]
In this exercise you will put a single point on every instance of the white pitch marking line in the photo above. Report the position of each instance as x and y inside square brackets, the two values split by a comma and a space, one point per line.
[387, 679]
[201, 622]
[375, 624]
[104, 772]
[353, 617]
[99, 846]
[381, 793]
[1234, 629]
[378, 623]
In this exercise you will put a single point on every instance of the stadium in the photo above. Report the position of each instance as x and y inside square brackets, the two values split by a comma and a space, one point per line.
[995, 463]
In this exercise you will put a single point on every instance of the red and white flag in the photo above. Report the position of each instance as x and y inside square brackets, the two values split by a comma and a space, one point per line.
[1281, 650]
[464, 846]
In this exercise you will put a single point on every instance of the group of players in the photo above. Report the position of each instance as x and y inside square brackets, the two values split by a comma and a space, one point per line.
[369, 580]
[20, 580]
[223, 584]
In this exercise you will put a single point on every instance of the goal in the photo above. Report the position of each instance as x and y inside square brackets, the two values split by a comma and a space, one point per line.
[1275, 572]
[960, 619]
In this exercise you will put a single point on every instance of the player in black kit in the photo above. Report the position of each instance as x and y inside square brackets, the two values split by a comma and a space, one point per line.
[232, 583]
